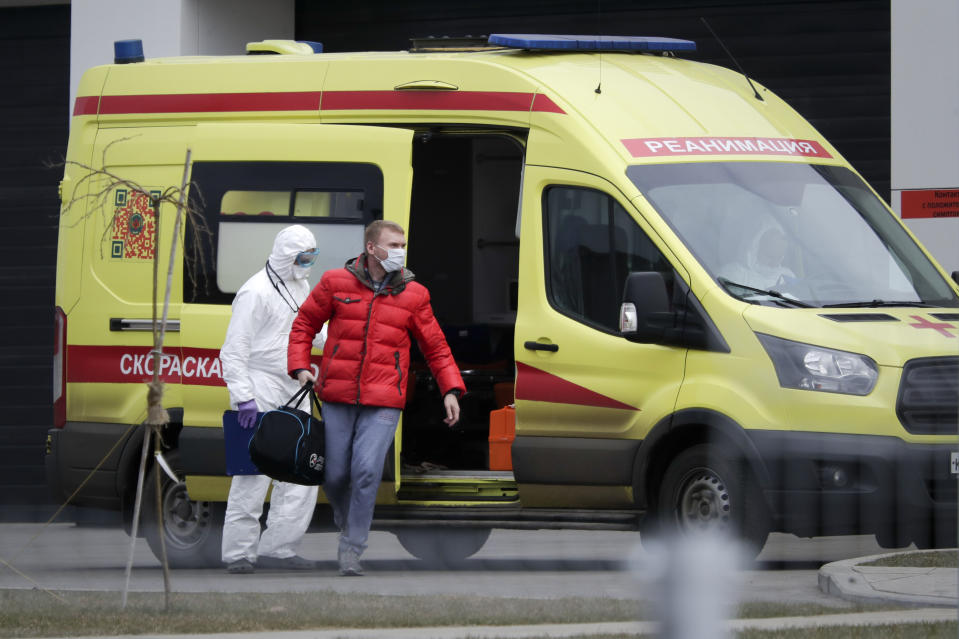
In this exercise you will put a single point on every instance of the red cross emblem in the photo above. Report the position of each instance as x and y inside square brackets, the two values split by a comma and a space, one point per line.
[922, 322]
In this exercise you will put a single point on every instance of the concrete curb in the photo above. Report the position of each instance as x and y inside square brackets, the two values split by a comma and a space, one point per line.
[850, 580]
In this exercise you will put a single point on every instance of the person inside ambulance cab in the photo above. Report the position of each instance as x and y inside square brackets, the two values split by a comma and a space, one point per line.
[254, 368]
[763, 267]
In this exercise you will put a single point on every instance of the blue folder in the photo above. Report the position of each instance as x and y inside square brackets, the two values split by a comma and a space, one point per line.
[236, 441]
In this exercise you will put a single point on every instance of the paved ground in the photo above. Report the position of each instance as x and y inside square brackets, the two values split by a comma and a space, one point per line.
[546, 564]
[539, 564]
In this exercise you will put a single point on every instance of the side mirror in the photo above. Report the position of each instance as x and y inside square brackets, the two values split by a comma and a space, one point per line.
[955, 277]
[644, 314]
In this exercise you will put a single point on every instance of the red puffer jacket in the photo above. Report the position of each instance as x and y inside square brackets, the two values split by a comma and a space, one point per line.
[367, 353]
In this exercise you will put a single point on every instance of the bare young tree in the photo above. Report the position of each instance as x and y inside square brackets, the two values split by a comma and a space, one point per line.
[93, 194]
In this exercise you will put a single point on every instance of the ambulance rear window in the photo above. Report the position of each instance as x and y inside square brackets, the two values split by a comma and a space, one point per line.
[255, 203]
[343, 204]
[326, 204]
[242, 205]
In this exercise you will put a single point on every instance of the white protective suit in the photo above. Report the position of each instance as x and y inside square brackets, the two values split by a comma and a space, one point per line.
[762, 266]
[254, 367]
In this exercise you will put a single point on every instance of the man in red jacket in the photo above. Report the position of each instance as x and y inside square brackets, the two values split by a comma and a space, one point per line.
[372, 305]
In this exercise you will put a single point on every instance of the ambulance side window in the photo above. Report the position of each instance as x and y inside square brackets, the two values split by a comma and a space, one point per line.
[303, 204]
[592, 244]
[242, 205]
[338, 204]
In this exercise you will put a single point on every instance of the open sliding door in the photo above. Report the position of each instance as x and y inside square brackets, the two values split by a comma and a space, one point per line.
[248, 182]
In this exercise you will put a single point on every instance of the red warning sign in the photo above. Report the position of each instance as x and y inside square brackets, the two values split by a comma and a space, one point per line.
[653, 147]
[930, 203]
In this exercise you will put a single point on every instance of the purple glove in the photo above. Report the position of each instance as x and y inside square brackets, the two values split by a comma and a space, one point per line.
[247, 417]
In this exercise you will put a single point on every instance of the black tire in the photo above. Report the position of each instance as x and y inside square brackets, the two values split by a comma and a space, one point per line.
[893, 535]
[926, 531]
[708, 488]
[442, 547]
[193, 530]
[932, 534]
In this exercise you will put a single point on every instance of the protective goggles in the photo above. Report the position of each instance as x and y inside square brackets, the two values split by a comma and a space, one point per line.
[306, 258]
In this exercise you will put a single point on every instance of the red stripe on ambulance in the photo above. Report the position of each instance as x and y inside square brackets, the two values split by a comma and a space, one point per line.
[436, 100]
[86, 105]
[210, 102]
[539, 386]
[132, 365]
[315, 101]
[656, 147]
[543, 104]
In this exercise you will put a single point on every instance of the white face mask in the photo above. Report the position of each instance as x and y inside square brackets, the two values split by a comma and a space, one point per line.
[300, 272]
[394, 259]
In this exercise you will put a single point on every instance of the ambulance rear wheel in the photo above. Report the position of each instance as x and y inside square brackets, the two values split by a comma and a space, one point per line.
[192, 530]
[705, 489]
[442, 547]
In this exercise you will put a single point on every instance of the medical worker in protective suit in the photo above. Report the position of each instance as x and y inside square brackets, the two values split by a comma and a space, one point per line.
[254, 368]
[764, 264]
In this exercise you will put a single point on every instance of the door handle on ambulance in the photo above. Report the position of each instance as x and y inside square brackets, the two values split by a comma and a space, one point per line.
[426, 85]
[538, 346]
[119, 324]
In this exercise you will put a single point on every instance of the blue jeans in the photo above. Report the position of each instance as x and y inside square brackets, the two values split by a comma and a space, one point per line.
[357, 440]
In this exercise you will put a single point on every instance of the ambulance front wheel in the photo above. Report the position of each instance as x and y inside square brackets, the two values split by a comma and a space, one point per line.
[442, 547]
[705, 489]
[192, 530]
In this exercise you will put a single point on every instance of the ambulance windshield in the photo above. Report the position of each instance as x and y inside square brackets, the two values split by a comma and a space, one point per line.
[792, 234]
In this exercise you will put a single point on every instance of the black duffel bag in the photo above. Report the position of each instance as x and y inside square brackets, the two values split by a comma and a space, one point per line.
[289, 444]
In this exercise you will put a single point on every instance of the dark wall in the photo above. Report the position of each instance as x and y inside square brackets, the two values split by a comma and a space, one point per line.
[34, 115]
[828, 58]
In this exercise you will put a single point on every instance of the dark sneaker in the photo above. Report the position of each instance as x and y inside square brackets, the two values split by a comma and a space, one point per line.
[239, 567]
[350, 563]
[286, 563]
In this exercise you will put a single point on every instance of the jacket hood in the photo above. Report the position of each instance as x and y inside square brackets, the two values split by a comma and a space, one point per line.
[395, 281]
[289, 243]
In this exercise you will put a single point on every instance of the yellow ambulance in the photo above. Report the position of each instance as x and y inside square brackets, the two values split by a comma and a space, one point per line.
[700, 314]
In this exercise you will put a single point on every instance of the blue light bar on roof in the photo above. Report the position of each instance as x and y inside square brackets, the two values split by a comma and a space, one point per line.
[544, 42]
[316, 46]
[127, 51]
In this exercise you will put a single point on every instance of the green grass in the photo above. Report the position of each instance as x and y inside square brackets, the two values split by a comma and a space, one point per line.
[928, 559]
[768, 610]
[36, 614]
[939, 630]
[32, 613]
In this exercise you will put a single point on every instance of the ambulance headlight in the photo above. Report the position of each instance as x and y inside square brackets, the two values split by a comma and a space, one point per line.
[815, 368]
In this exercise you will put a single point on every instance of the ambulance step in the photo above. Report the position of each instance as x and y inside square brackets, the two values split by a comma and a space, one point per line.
[498, 475]
[511, 517]
[458, 486]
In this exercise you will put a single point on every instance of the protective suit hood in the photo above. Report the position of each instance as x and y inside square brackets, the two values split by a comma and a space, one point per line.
[765, 257]
[290, 242]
